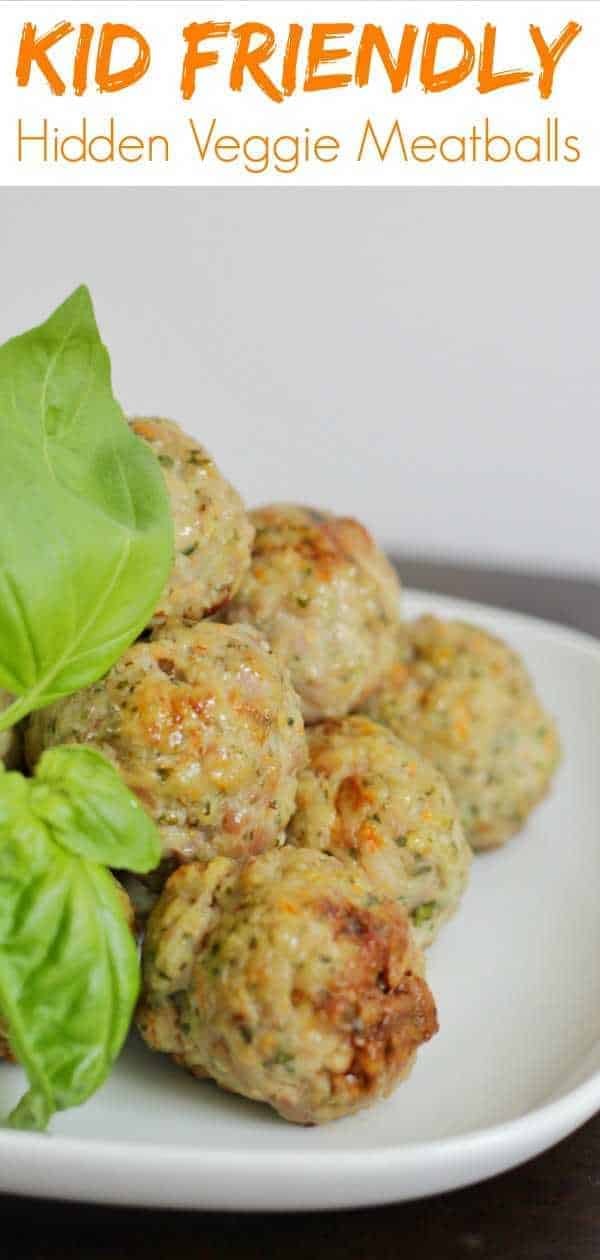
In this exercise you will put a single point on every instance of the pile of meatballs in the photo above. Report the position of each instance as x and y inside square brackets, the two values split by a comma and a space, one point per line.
[320, 772]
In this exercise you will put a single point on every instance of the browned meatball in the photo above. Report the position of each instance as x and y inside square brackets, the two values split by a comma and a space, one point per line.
[464, 699]
[326, 599]
[368, 798]
[287, 979]
[213, 535]
[204, 726]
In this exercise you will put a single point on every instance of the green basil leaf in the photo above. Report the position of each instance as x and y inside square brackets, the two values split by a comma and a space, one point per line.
[85, 525]
[69, 971]
[81, 796]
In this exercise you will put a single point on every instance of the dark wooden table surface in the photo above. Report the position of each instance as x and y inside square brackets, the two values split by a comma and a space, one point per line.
[547, 1209]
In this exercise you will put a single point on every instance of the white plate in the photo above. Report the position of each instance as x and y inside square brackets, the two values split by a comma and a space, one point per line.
[515, 1067]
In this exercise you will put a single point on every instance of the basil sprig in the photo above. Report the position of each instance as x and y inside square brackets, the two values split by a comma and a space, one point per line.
[86, 537]
[69, 969]
[86, 544]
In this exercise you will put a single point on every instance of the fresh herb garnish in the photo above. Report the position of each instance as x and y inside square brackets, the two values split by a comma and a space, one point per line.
[69, 970]
[86, 545]
[86, 536]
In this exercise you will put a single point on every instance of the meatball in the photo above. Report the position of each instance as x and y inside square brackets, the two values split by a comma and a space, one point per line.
[204, 726]
[369, 798]
[327, 600]
[213, 535]
[465, 700]
[287, 979]
[10, 740]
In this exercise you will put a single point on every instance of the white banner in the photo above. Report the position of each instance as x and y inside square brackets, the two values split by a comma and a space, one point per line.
[331, 92]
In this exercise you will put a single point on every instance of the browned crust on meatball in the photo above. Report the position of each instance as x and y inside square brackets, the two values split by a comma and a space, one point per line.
[368, 798]
[286, 979]
[387, 1011]
[205, 728]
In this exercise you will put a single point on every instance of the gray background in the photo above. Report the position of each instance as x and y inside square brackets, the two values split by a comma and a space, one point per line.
[426, 360]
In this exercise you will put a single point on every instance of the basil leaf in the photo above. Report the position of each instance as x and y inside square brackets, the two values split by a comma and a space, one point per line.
[85, 526]
[69, 971]
[83, 799]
